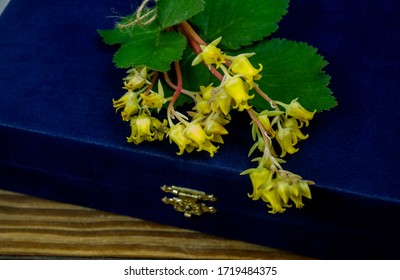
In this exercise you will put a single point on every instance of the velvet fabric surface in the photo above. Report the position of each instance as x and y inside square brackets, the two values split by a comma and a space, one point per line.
[61, 139]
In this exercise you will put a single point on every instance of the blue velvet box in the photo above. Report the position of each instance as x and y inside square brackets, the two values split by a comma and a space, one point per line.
[61, 139]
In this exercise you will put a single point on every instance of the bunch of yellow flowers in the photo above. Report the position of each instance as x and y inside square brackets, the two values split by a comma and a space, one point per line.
[136, 104]
[203, 128]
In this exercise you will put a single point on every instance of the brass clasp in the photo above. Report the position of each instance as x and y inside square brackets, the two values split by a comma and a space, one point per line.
[188, 200]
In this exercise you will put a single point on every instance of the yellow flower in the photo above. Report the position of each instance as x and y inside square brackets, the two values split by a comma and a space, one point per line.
[211, 54]
[159, 128]
[121, 102]
[154, 100]
[213, 127]
[295, 129]
[263, 117]
[146, 128]
[177, 135]
[236, 88]
[223, 120]
[286, 140]
[298, 112]
[209, 147]
[206, 92]
[203, 107]
[129, 103]
[200, 140]
[222, 100]
[136, 79]
[217, 138]
[241, 65]
[271, 197]
[140, 129]
[196, 133]
[259, 176]
[296, 192]
[293, 187]
[282, 188]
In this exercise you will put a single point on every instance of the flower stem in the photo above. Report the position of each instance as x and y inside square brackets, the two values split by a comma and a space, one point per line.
[188, 29]
[178, 88]
[171, 110]
[152, 82]
[173, 86]
[267, 152]
[266, 97]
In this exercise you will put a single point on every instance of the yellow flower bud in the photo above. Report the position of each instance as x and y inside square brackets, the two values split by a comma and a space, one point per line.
[282, 188]
[203, 107]
[305, 189]
[224, 102]
[218, 139]
[223, 120]
[213, 127]
[264, 119]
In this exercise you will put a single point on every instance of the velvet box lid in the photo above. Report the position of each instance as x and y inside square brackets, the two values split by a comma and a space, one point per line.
[61, 139]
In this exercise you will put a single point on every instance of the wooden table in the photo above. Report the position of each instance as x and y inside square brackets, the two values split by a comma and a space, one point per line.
[36, 228]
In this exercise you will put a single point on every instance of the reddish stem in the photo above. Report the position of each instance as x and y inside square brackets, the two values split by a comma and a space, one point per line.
[192, 33]
[152, 82]
[259, 124]
[173, 86]
[168, 81]
[178, 89]
[266, 97]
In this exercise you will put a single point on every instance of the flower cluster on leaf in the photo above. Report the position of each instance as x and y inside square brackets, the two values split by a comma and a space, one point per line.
[153, 115]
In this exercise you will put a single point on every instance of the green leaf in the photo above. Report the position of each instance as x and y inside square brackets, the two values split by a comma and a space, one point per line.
[156, 50]
[292, 70]
[170, 13]
[239, 22]
[113, 36]
[121, 35]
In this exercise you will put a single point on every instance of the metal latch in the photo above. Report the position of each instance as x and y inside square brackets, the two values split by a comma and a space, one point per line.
[189, 201]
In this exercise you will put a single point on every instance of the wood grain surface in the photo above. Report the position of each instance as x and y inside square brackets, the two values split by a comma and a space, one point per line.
[36, 228]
